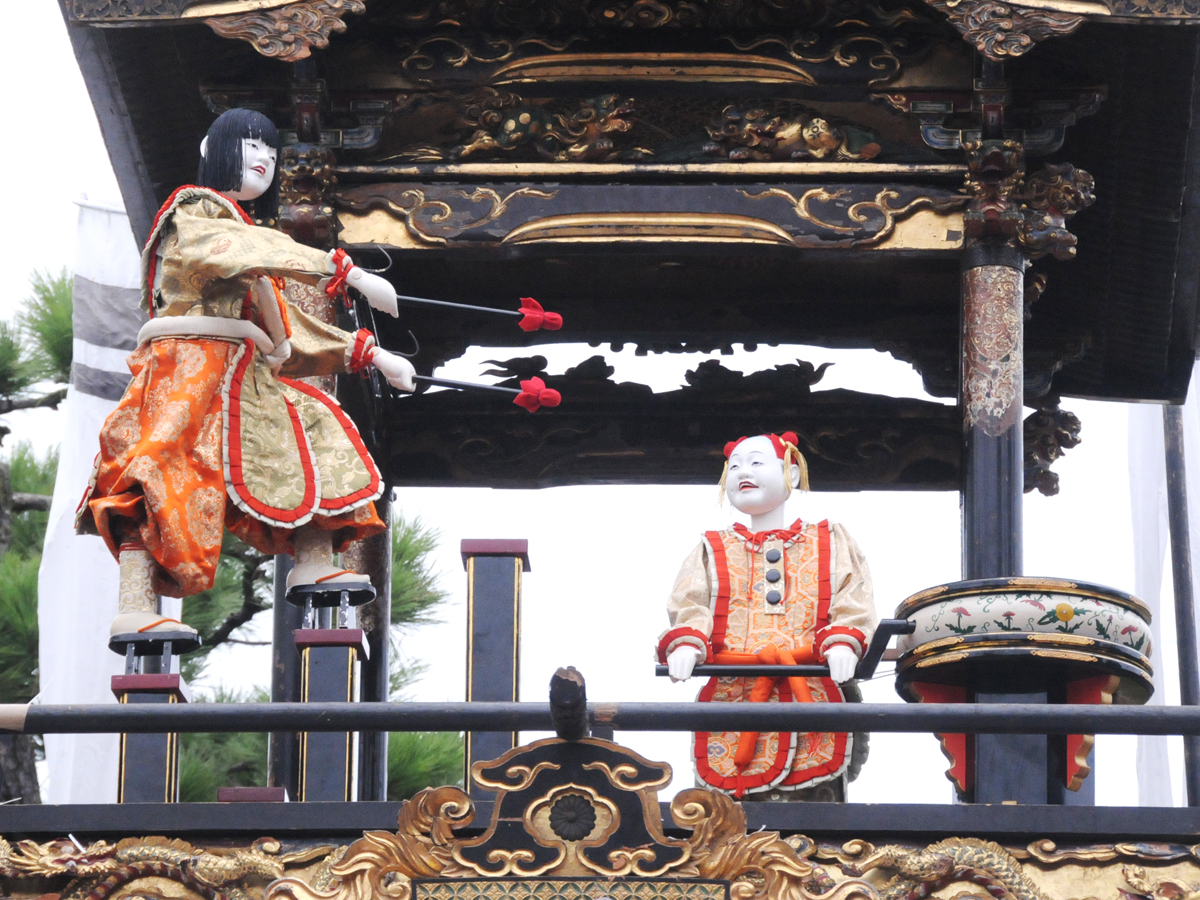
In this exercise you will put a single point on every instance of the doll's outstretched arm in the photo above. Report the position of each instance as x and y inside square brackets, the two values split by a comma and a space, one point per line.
[689, 608]
[852, 617]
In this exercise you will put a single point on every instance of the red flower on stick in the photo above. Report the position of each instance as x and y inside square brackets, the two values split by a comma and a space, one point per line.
[534, 395]
[534, 317]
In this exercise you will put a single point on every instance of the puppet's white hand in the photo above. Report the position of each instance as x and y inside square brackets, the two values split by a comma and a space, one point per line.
[681, 661]
[842, 663]
[379, 291]
[396, 369]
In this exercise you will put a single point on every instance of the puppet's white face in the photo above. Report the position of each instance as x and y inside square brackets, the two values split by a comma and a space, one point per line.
[258, 169]
[755, 484]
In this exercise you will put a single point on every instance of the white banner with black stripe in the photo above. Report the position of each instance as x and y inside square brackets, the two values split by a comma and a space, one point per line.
[77, 583]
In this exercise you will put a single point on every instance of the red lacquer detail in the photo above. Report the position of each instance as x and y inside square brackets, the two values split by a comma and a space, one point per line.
[534, 395]
[1096, 691]
[534, 317]
[956, 747]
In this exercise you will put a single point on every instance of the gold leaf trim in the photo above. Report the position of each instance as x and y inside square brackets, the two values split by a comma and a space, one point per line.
[649, 227]
[948, 658]
[1070, 655]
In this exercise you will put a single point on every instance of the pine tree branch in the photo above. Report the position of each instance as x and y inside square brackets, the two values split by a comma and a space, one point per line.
[9, 404]
[251, 605]
[26, 502]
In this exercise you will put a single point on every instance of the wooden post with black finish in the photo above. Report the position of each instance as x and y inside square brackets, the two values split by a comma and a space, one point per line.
[494, 570]
[329, 659]
[148, 766]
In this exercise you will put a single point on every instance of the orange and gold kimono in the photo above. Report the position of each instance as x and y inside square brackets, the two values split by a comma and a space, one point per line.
[744, 597]
[211, 434]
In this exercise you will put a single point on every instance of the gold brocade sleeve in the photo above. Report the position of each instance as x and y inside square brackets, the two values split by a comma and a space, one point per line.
[853, 601]
[317, 348]
[214, 246]
[690, 604]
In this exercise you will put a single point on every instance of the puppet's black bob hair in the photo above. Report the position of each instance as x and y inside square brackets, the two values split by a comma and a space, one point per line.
[221, 165]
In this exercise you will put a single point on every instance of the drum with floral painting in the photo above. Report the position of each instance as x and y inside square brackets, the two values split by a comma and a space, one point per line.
[1011, 635]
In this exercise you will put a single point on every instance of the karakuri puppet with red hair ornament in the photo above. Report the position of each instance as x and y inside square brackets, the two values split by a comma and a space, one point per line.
[774, 594]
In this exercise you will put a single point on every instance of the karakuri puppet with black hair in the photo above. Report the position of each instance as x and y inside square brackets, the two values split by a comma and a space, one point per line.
[772, 594]
[214, 430]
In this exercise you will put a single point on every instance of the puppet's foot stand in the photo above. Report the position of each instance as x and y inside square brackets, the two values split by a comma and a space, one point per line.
[139, 629]
[316, 581]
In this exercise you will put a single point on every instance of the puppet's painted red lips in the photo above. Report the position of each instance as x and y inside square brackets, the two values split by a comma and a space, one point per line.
[261, 170]
[746, 485]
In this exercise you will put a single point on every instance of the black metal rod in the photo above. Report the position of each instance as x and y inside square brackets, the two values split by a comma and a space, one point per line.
[969, 718]
[1185, 607]
[752, 671]
[464, 385]
[424, 301]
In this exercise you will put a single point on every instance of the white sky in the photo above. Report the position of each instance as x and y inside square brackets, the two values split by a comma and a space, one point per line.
[604, 558]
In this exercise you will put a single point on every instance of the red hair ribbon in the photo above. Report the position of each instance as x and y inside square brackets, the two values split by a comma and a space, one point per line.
[337, 284]
[535, 317]
[534, 395]
[778, 441]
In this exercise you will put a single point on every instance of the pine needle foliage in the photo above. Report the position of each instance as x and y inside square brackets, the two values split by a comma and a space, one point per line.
[415, 590]
[17, 372]
[30, 475]
[211, 761]
[417, 760]
[19, 635]
[47, 322]
[242, 589]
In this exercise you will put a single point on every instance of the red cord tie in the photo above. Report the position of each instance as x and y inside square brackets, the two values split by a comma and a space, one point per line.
[337, 284]
[535, 317]
[534, 395]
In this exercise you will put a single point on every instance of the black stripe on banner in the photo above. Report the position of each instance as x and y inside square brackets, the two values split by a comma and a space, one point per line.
[107, 316]
[97, 382]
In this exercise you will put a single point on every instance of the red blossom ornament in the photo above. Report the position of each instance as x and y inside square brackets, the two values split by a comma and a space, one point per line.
[534, 395]
[535, 317]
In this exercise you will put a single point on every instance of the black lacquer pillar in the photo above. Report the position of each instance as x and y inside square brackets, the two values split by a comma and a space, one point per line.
[494, 570]
[329, 659]
[148, 767]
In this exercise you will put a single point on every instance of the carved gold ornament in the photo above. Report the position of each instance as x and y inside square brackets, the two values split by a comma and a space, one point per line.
[1002, 30]
[289, 32]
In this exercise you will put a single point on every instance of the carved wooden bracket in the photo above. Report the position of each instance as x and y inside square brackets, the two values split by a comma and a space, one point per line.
[1002, 30]
[1028, 210]
[289, 32]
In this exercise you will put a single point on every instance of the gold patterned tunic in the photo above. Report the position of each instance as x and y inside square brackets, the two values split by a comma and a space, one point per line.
[209, 435]
[775, 597]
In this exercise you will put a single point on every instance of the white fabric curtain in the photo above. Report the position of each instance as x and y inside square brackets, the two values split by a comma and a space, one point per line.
[1151, 539]
[77, 582]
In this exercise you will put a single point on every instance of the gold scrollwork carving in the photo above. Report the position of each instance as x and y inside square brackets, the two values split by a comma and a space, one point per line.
[289, 32]
[524, 776]
[805, 48]
[1001, 30]
[412, 202]
[859, 213]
